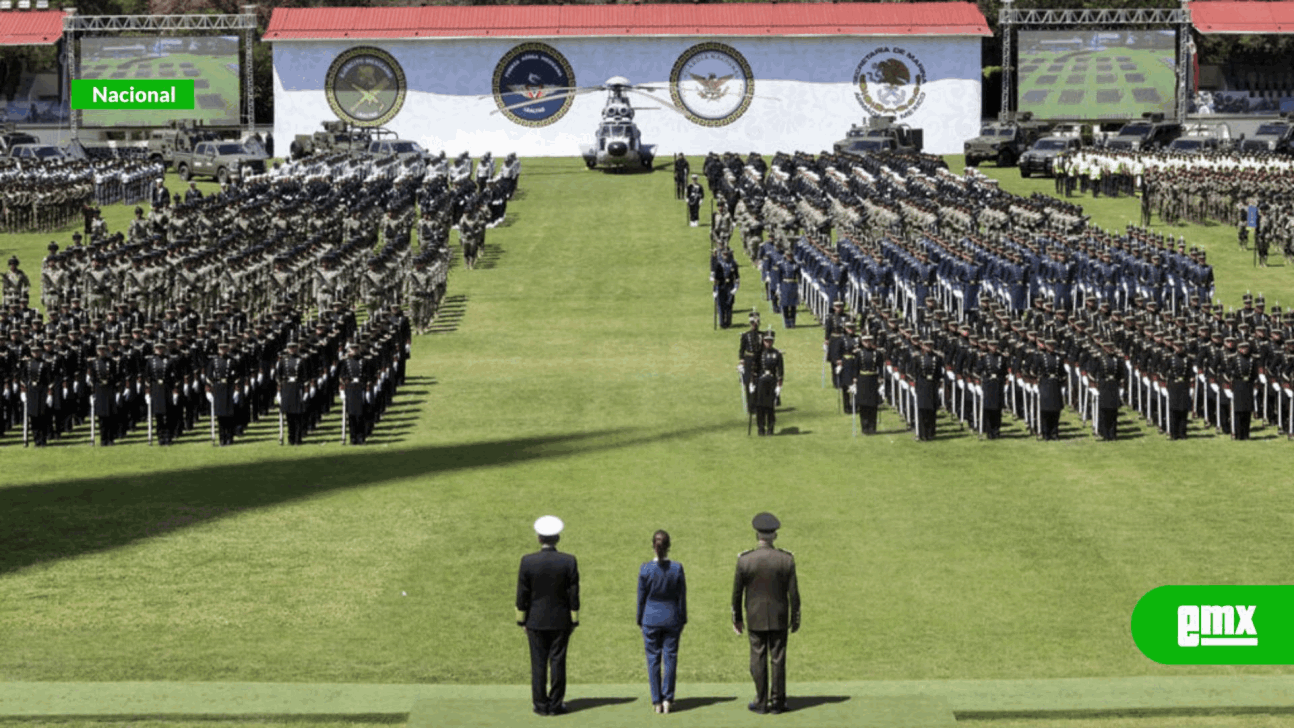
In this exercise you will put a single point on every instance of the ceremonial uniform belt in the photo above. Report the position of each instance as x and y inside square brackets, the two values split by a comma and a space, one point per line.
[159, 381]
[354, 381]
[849, 356]
[867, 374]
[291, 379]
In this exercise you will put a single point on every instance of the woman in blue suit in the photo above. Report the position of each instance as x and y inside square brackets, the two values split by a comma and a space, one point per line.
[662, 612]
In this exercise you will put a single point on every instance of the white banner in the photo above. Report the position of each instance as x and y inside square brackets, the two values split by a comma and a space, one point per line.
[807, 91]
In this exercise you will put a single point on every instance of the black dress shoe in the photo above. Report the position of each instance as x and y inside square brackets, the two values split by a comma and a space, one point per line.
[755, 708]
[559, 710]
[540, 712]
[777, 709]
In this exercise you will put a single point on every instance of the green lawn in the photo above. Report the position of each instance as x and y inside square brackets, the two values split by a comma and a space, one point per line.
[582, 379]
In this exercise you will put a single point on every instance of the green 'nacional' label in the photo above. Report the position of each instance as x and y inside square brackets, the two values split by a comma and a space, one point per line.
[137, 94]
[1216, 625]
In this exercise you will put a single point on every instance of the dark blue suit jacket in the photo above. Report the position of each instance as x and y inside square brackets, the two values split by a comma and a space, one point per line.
[548, 589]
[662, 595]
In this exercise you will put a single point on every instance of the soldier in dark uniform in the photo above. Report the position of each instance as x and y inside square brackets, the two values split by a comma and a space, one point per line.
[766, 389]
[866, 388]
[748, 351]
[548, 607]
[35, 381]
[221, 377]
[844, 364]
[1109, 372]
[160, 383]
[105, 380]
[765, 586]
[353, 378]
[1242, 373]
[681, 170]
[992, 370]
[1179, 379]
[726, 278]
[694, 194]
[788, 289]
[926, 371]
[293, 375]
[1050, 369]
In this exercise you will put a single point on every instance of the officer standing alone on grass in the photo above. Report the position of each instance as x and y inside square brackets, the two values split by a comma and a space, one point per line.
[765, 577]
[766, 388]
[695, 193]
[548, 607]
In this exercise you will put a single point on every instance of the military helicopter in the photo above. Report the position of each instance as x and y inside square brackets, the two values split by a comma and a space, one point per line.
[617, 144]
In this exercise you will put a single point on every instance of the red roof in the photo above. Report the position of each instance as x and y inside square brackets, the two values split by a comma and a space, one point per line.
[31, 27]
[735, 19]
[1242, 17]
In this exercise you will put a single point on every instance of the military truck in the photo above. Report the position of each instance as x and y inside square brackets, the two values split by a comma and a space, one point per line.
[1149, 132]
[1272, 136]
[337, 136]
[221, 159]
[11, 136]
[1003, 141]
[1041, 157]
[178, 144]
[881, 134]
[1203, 138]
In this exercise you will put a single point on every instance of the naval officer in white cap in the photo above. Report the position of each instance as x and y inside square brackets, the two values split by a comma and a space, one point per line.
[548, 606]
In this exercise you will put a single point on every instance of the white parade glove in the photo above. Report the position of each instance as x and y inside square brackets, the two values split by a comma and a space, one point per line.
[853, 389]
[715, 293]
[23, 396]
[777, 390]
[837, 369]
[278, 399]
[736, 286]
[752, 389]
[49, 400]
[741, 368]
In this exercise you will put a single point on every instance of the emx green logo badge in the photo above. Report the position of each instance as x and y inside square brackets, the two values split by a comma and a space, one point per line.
[1216, 625]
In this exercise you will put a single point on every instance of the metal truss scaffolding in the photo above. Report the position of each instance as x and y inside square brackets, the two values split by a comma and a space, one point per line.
[1011, 19]
[244, 22]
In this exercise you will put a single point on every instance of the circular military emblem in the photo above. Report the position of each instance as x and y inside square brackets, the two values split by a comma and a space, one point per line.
[712, 84]
[533, 84]
[365, 86]
[889, 82]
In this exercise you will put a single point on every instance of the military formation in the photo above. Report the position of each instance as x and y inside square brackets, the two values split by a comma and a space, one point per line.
[45, 195]
[955, 311]
[219, 310]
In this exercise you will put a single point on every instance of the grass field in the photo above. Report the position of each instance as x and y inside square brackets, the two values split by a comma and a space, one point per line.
[576, 375]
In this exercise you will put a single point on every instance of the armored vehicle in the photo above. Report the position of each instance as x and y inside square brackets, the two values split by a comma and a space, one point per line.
[1203, 138]
[881, 134]
[1005, 140]
[1271, 136]
[1149, 132]
[1041, 157]
[337, 136]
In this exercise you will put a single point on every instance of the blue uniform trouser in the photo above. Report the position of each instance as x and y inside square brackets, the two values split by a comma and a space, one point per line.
[662, 661]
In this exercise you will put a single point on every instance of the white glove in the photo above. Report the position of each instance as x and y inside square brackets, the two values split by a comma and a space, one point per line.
[23, 396]
[741, 369]
[49, 400]
[736, 286]
[853, 389]
[752, 389]
[777, 391]
[278, 399]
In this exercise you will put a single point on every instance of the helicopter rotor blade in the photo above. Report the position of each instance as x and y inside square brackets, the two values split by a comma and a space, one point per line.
[664, 103]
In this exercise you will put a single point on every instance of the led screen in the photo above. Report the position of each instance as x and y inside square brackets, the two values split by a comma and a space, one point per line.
[1096, 75]
[211, 61]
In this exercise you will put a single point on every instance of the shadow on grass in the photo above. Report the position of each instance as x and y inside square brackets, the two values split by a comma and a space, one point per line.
[807, 702]
[685, 704]
[50, 521]
[581, 704]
